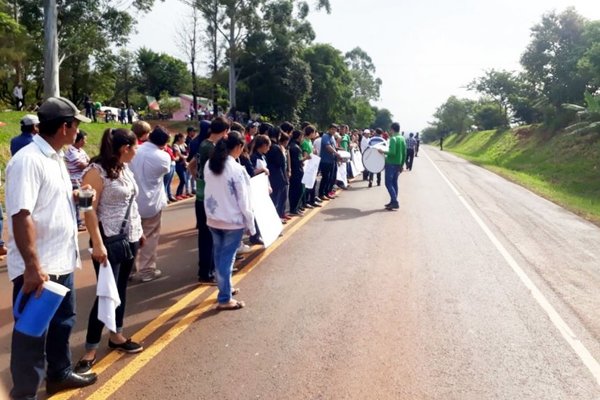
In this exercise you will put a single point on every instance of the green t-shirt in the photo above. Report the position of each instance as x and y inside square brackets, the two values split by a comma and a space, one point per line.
[307, 146]
[345, 142]
[397, 151]
[204, 151]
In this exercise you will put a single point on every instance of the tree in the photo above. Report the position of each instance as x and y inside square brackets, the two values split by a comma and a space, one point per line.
[499, 85]
[362, 70]
[383, 118]
[13, 45]
[455, 115]
[331, 85]
[589, 64]
[552, 56]
[588, 117]
[489, 115]
[161, 72]
[189, 43]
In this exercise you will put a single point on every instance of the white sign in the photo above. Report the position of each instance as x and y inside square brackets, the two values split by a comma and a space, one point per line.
[311, 168]
[342, 174]
[265, 214]
[357, 164]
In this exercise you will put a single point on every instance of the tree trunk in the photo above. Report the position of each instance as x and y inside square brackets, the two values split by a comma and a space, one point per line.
[232, 74]
[51, 83]
[215, 60]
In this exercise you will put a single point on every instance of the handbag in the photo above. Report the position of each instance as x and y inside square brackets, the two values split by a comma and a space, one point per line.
[117, 246]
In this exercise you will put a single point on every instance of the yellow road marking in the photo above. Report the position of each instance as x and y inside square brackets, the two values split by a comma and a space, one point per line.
[137, 363]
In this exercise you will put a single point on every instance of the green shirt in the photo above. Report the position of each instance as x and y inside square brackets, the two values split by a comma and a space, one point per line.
[397, 151]
[307, 146]
[345, 142]
[204, 151]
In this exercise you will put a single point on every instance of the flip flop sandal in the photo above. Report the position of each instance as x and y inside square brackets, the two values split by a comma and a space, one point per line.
[235, 291]
[236, 306]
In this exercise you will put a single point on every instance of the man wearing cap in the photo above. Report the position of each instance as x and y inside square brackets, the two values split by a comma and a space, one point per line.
[43, 246]
[29, 127]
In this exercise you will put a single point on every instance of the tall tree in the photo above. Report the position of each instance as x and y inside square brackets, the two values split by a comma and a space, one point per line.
[499, 85]
[161, 73]
[455, 115]
[383, 118]
[362, 70]
[189, 43]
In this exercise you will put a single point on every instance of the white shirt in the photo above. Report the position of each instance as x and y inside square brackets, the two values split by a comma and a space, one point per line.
[149, 166]
[37, 181]
[227, 198]
[18, 92]
[317, 146]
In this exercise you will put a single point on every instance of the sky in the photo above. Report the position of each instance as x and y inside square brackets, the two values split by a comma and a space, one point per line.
[425, 51]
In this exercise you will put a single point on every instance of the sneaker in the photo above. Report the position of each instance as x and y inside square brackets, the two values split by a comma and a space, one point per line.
[244, 248]
[317, 200]
[129, 346]
[324, 198]
[316, 205]
[256, 240]
[308, 206]
[150, 276]
[208, 282]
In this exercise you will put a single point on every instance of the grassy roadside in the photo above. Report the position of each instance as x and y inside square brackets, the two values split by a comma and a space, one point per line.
[94, 135]
[564, 169]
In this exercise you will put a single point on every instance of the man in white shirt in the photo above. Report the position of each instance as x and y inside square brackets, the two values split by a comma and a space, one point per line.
[18, 96]
[149, 166]
[43, 246]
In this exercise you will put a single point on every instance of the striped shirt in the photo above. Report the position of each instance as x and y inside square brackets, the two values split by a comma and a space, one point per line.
[74, 157]
[37, 181]
[411, 143]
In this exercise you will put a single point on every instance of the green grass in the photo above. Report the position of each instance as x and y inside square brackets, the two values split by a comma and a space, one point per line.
[563, 168]
[94, 135]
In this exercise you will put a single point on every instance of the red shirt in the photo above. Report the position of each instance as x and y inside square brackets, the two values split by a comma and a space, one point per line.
[169, 150]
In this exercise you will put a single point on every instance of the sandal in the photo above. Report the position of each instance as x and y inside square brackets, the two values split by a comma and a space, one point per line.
[236, 305]
[235, 291]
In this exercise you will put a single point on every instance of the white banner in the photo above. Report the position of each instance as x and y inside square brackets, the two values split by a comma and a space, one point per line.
[311, 168]
[342, 174]
[357, 164]
[265, 214]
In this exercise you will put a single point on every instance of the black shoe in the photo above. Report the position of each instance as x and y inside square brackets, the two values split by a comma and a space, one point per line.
[316, 205]
[127, 347]
[84, 366]
[72, 381]
[387, 205]
[370, 184]
[207, 281]
[378, 183]
[256, 240]
[393, 206]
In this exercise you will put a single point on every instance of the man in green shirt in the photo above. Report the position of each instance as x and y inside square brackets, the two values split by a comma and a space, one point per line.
[394, 160]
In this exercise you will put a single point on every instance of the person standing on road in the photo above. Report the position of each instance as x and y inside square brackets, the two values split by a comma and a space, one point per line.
[219, 128]
[228, 212]
[180, 152]
[297, 173]
[278, 172]
[418, 139]
[29, 127]
[114, 213]
[411, 144]
[43, 246]
[149, 167]
[329, 157]
[394, 161]
[77, 161]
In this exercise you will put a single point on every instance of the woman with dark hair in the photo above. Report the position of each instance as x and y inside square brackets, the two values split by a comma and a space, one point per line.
[228, 211]
[296, 173]
[114, 213]
[181, 153]
[278, 172]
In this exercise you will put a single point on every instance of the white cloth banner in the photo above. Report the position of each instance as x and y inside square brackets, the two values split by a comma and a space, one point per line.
[357, 164]
[108, 297]
[311, 168]
[342, 174]
[265, 214]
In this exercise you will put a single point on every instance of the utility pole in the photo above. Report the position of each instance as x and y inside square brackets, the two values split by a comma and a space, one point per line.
[51, 84]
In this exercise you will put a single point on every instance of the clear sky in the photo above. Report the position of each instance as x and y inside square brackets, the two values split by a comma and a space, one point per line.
[424, 51]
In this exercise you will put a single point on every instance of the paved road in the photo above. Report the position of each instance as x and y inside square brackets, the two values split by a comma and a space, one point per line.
[484, 291]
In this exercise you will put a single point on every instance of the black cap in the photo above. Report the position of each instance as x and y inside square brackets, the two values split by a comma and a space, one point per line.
[59, 107]
[191, 129]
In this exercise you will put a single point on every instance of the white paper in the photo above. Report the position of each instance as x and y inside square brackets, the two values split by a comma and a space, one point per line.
[357, 164]
[108, 297]
[265, 214]
[342, 174]
[311, 168]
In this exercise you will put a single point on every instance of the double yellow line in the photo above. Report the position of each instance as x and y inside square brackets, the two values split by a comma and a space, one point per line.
[139, 361]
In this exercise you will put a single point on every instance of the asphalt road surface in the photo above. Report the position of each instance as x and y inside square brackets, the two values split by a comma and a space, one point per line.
[475, 289]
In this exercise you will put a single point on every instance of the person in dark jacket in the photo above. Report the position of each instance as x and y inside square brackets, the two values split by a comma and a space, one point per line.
[278, 171]
[296, 172]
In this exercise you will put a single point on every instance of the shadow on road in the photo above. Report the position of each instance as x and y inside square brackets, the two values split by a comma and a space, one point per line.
[337, 214]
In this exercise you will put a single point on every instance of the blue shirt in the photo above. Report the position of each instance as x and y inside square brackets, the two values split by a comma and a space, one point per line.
[326, 156]
[18, 142]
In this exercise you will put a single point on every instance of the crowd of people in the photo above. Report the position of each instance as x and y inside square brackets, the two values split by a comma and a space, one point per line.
[131, 180]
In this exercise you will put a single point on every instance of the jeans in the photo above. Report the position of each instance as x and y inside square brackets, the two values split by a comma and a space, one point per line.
[327, 178]
[168, 178]
[391, 181]
[410, 157]
[181, 173]
[378, 178]
[225, 245]
[206, 265]
[190, 183]
[279, 197]
[121, 272]
[28, 353]
[1, 226]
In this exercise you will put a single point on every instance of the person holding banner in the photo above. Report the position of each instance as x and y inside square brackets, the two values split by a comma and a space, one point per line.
[228, 212]
[394, 160]
[310, 133]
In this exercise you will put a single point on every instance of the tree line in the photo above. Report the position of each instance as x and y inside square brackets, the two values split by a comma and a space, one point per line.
[261, 57]
[557, 87]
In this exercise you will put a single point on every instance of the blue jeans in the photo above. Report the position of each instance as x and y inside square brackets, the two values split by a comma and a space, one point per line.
[279, 197]
[28, 353]
[181, 173]
[167, 179]
[225, 244]
[391, 181]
